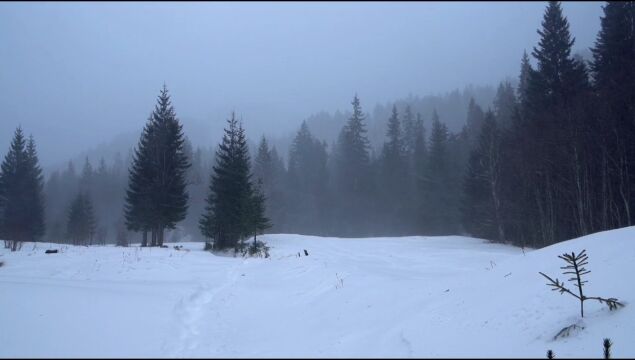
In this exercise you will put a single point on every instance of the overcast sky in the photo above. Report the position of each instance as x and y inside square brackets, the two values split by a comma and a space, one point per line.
[77, 74]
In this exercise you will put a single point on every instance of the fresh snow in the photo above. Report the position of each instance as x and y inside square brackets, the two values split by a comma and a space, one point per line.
[445, 296]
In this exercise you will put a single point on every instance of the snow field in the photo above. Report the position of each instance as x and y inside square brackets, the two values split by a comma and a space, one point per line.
[372, 297]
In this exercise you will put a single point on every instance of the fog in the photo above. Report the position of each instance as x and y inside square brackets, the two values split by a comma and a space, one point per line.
[76, 75]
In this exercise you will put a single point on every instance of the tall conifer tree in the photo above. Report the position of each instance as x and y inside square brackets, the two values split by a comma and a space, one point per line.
[21, 202]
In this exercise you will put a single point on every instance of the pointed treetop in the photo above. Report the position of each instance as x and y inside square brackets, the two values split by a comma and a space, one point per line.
[18, 137]
[554, 47]
[435, 115]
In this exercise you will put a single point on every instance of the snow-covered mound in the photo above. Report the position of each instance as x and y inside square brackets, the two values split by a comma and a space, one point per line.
[390, 297]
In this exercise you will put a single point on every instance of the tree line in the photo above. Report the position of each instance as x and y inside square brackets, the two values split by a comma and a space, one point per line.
[550, 160]
[559, 162]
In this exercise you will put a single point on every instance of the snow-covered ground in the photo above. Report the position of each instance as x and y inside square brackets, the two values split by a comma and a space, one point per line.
[389, 297]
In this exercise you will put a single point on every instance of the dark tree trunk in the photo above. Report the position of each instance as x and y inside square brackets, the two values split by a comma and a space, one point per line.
[160, 236]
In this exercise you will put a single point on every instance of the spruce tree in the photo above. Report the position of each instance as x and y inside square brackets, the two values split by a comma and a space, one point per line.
[170, 165]
[436, 211]
[35, 183]
[394, 178]
[394, 148]
[352, 176]
[258, 222]
[523, 79]
[505, 104]
[353, 147]
[229, 199]
[156, 198]
[138, 206]
[613, 70]
[307, 180]
[269, 169]
[91, 221]
[263, 164]
[87, 177]
[475, 118]
[409, 133]
[420, 154]
[21, 202]
[549, 169]
[81, 225]
[481, 209]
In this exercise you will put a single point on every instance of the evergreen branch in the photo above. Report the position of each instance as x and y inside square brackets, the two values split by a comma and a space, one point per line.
[612, 303]
[557, 285]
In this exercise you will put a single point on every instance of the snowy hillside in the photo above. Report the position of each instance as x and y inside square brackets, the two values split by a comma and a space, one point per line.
[393, 297]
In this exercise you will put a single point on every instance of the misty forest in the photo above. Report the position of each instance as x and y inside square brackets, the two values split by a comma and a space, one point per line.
[544, 156]
[541, 159]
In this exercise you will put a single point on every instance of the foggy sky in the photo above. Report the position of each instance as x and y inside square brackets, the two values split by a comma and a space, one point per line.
[77, 74]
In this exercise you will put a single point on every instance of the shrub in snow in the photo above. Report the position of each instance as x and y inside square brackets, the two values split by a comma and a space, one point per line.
[568, 330]
[576, 268]
[340, 282]
[208, 246]
[607, 348]
[256, 249]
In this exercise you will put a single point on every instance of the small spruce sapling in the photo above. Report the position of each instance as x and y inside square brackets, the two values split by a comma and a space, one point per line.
[576, 268]
[607, 348]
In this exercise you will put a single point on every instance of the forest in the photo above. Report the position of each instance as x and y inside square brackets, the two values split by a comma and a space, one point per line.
[543, 158]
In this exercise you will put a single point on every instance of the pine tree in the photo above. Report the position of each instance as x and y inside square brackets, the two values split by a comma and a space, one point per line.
[81, 225]
[475, 118]
[21, 203]
[394, 148]
[394, 178]
[550, 138]
[170, 165]
[87, 177]
[437, 208]
[276, 192]
[35, 183]
[352, 176]
[613, 70]
[505, 104]
[263, 164]
[258, 222]
[91, 221]
[138, 207]
[353, 147]
[420, 155]
[157, 198]
[481, 210]
[523, 83]
[307, 183]
[269, 169]
[438, 139]
[409, 133]
[229, 198]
